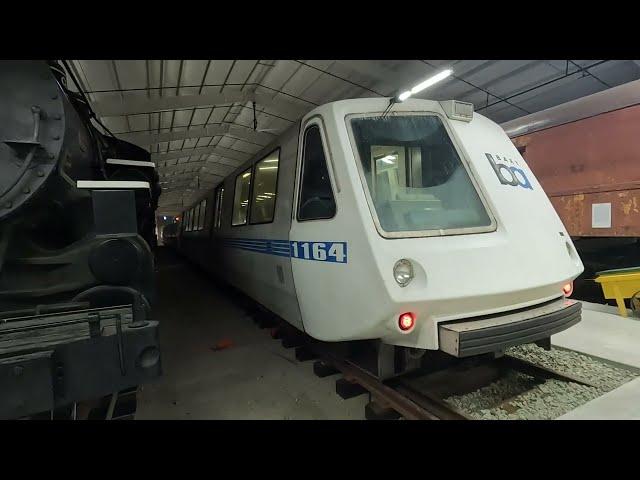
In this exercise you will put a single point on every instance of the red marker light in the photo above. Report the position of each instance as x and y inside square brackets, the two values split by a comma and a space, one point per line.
[567, 289]
[406, 321]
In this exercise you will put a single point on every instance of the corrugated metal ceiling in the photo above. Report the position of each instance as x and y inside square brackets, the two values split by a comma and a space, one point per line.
[196, 116]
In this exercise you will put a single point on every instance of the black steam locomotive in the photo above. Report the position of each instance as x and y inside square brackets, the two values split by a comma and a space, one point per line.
[77, 235]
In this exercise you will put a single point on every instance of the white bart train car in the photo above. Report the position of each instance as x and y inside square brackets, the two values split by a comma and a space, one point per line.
[419, 229]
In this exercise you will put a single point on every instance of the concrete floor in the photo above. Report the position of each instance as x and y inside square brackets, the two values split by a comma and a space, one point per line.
[605, 334]
[256, 378]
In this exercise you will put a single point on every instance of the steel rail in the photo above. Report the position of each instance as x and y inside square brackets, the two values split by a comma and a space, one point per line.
[431, 402]
[539, 371]
[401, 403]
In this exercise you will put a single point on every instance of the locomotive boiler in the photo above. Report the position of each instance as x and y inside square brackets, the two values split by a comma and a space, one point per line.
[77, 233]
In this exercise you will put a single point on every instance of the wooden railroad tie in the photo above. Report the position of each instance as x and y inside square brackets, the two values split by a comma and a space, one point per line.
[322, 369]
[380, 410]
[349, 389]
[304, 354]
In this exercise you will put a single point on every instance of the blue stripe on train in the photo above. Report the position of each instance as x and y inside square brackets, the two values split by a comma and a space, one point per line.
[335, 252]
[281, 248]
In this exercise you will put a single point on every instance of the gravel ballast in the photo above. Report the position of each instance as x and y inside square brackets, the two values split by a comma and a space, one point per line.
[518, 396]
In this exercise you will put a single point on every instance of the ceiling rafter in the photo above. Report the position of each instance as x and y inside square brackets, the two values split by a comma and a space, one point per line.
[133, 106]
[181, 182]
[384, 75]
[225, 168]
[211, 130]
[236, 155]
[346, 80]
[193, 112]
[488, 93]
[542, 84]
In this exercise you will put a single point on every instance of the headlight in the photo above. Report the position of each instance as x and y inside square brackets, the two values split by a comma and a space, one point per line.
[403, 272]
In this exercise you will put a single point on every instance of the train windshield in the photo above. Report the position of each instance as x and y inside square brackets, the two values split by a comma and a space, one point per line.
[415, 177]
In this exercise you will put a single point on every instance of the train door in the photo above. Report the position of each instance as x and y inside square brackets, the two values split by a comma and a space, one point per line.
[314, 251]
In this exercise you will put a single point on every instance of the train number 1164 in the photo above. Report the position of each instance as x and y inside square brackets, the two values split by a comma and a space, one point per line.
[320, 251]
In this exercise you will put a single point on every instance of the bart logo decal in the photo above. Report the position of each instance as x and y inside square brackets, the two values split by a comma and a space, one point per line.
[509, 174]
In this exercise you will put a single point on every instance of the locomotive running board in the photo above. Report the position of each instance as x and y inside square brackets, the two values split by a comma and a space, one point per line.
[494, 333]
[111, 184]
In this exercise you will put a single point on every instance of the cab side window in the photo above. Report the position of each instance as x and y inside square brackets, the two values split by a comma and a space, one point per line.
[316, 200]
[241, 198]
[196, 218]
[203, 213]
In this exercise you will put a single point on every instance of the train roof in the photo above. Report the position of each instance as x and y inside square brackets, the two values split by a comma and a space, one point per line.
[377, 104]
[605, 101]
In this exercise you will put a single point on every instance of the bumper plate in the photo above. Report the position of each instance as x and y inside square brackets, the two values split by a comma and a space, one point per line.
[494, 333]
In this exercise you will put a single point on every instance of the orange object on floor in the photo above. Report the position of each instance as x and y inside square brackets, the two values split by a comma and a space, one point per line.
[223, 344]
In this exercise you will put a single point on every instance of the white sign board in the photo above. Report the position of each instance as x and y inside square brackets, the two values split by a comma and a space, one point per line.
[601, 215]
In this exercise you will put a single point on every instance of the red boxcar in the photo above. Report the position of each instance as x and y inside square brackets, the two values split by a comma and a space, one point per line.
[586, 155]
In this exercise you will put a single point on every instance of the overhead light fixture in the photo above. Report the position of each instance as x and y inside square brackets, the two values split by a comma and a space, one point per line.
[426, 84]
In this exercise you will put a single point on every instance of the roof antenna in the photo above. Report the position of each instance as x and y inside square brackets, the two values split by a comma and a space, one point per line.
[255, 120]
[392, 102]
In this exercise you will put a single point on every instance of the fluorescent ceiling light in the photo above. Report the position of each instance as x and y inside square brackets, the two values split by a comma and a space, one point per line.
[426, 84]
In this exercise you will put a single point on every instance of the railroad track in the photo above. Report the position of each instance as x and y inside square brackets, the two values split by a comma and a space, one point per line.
[415, 396]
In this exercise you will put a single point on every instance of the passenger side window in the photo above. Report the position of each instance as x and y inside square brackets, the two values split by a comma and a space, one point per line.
[196, 218]
[203, 212]
[316, 199]
[241, 198]
[218, 209]
[263, 201]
